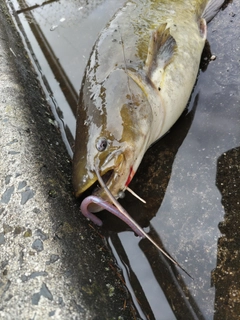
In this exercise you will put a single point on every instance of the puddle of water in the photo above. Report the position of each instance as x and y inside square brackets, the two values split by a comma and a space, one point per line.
[60, 36]
[182, 177]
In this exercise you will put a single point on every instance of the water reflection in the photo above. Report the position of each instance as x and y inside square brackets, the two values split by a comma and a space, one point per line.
[153, 279]
[26, 8]
[60, 37]
[226, 276]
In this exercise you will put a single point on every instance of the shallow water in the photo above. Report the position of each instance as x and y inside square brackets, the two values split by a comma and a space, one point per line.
[190, 178]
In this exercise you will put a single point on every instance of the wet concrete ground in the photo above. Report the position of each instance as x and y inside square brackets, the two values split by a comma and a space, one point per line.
[53, 265]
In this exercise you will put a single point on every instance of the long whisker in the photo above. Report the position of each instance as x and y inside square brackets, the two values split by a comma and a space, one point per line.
[134, 223]
[135, 195]
[110, 196]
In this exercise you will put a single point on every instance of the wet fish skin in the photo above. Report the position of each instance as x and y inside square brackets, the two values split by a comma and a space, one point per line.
[136, 85]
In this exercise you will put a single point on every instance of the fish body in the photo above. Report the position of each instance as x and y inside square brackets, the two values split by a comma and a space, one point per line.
[137, 83]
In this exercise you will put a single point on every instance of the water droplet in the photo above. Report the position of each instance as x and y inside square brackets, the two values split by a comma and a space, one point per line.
[121, 194]
[53, 27]
[84, 179]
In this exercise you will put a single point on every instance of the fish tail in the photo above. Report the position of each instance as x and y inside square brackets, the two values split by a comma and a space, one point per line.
[211, 9]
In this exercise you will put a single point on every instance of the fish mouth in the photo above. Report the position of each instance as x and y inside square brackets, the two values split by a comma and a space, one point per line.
[110, 178]
[85, 180]
[107, 176]
[111, 174]
[97, 190]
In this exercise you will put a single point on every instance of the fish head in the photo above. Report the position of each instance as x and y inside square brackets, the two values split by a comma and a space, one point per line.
[113, 125]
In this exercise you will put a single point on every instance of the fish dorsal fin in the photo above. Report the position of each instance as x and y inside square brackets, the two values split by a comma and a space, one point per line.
[162, 47]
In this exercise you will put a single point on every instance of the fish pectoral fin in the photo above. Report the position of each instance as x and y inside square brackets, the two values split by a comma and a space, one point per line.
[162, 47]
[161, 50]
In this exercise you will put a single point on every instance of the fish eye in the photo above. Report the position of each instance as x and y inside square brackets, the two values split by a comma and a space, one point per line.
[101, 144]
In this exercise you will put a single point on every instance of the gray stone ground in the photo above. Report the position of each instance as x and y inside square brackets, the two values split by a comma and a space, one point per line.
[52, 264]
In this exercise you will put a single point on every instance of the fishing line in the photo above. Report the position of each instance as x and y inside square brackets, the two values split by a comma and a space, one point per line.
[125, 66]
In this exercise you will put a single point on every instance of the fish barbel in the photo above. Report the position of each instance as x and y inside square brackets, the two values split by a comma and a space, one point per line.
[137, 83]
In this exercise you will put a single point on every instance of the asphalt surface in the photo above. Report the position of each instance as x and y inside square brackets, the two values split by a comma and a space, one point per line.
[52, 264]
